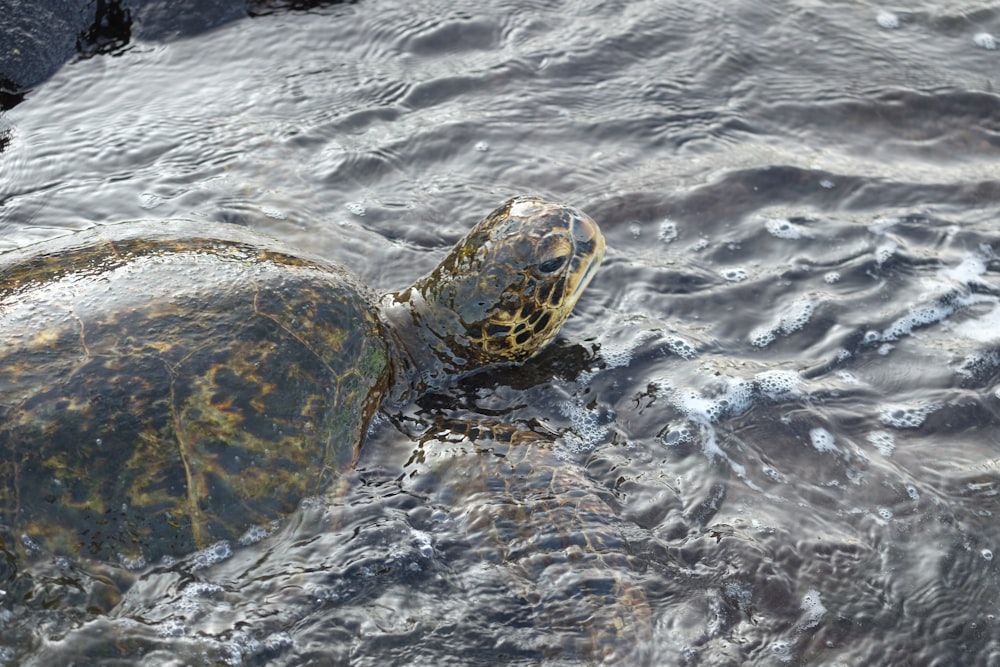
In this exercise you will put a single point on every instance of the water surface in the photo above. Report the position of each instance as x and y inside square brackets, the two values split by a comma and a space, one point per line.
[772, 421]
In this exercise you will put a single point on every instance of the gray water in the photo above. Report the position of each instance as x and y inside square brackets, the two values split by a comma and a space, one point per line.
[772, 423]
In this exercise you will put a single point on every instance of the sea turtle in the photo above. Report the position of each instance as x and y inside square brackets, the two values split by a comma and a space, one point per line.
[164, 386]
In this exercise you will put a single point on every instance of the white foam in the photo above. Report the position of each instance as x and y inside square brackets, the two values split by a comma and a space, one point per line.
[668, 231]
[917, 317]
[255, 534]
[215, 553]
[887, 20]
[884, 442]
[778, 385]
[984, 40]
[906, 416]
[792, 318]
[822, 440]
[982, 329]
[682, 348]
[735, 275]
[356, 208]
[783, 228]
[812, 605]
[912, 492]
[831, 277]
[885, 251]
[986, 554]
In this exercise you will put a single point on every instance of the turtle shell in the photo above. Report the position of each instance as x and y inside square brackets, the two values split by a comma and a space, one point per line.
[161, 391]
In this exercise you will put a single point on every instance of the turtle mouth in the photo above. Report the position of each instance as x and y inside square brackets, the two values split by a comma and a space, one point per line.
[589, 244]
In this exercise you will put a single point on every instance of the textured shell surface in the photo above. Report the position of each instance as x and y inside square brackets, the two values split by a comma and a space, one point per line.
[164, 390]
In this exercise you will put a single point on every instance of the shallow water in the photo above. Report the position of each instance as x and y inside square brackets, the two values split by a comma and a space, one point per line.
[771, 424]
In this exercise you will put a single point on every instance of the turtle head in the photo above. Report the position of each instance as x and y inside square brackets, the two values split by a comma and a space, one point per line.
[504, 291]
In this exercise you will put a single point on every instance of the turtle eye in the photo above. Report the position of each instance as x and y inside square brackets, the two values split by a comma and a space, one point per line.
[552, 265]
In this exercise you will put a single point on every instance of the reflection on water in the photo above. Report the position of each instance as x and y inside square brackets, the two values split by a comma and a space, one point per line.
[768, 435]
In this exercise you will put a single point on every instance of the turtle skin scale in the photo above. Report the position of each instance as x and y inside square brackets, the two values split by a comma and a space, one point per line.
[213, 395]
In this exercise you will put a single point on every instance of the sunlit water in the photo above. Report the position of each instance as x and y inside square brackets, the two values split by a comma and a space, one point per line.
[771, 426]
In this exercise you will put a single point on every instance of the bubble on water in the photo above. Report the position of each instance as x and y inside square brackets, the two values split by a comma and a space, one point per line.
[887, 20]
[782, 649]
[885, 251]
[792, 318]
[822, 440]
[482, 146]
[243, 648]
[984, 40]
[783, 228]
[986, 554]
[906, 416]
[700, 244]
[984, 328]
[740, 592]
[668, 231]
[635, 230]
[590, 426]
[912, 492]
[272, 213]
[812, 605]
[831, 277]
[735, 275]
[885, 513]
[917, 317]
[171, 627]
[735, 399]
[827, 184]
[255, 534]
[682, 348]
[215, 553]
[884, 441]
[356, 208]
[778, 385]
[677, 435]
[762, 337]
[134, 562]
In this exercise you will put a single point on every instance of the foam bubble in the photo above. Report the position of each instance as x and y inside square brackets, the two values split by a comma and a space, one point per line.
[357, 208]
[887, 20]
[982, 329]
[831, 277]
[918, 317]
[906, 416]
[668, 231]
[735, 275]
[986, 554]
[778, 385]
[215, 553]
[822, 440]
[812, 605]
[984, 40]
[792, 318]
[885, 251]
[682, 348]
[912, 492]
[885, 513]
[635, 230]
[255, 534]
[736, 398]
[784, 228]
[884, 441]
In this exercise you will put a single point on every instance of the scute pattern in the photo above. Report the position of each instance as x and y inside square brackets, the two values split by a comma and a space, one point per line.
[203, 385]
